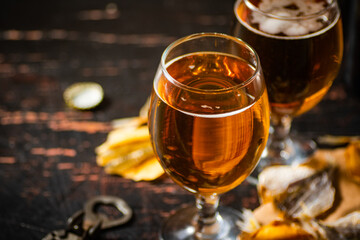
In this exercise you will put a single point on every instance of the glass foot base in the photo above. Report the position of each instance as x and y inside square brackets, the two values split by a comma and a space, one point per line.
[182, 225]
[295, 151]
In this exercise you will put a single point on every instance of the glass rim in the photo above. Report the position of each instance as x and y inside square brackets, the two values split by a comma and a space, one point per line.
[331, 4]
[209, 34]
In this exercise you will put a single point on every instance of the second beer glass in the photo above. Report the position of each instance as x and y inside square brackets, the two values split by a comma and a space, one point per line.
[300, 45]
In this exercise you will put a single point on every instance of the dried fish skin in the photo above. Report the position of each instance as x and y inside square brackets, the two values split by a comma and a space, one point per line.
[309, 197]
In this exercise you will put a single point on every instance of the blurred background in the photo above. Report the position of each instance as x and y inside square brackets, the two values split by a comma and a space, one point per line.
[85, 40]
[351, 23]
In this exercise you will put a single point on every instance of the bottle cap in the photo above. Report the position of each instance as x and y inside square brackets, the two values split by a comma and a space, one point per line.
[83, 95]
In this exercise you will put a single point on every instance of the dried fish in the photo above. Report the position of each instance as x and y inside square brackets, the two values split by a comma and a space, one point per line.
[295, 198]
[123, 136]
[352, 155]
[112, 154]
[347, 227]
[282, 230]
[125, 162]
[147, 171]
[309, 197]
[333, 141]
[248, 223]
[275, 180]
[130, 122]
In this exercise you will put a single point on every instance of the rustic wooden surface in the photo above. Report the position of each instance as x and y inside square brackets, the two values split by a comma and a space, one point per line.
[47, 159]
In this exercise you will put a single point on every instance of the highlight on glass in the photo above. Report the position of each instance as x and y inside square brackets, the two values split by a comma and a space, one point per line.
[209, 122]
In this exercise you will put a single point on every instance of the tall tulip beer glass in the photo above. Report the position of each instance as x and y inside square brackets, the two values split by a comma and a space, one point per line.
[208, 121]
[300, 45]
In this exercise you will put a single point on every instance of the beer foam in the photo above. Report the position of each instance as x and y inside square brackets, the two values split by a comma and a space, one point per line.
[288, 8]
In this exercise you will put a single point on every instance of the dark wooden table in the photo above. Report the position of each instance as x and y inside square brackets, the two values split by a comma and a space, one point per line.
[47, 159]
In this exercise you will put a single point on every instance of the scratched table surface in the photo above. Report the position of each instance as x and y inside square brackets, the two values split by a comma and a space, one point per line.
[47, 159]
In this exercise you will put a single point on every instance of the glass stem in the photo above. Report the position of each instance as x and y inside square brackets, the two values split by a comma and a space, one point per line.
[209, 221]
[279, 145]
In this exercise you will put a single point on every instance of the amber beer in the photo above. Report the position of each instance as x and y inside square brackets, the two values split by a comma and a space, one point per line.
[299, 68]
[208, 144]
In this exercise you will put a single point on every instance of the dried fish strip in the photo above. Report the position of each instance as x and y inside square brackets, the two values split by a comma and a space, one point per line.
[113, 153]
[127, 150]
[130, 159]
[147, 171]
[121, 137]
[130, 122]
